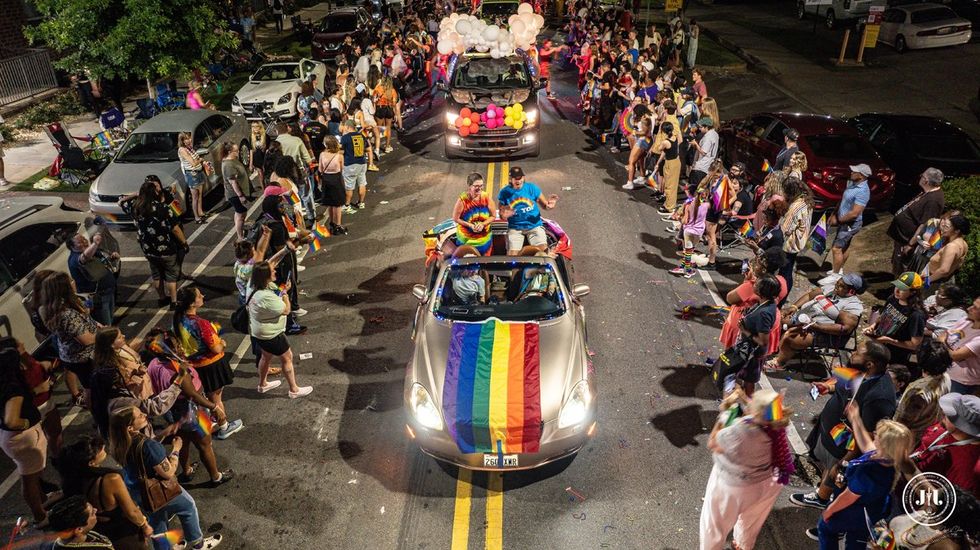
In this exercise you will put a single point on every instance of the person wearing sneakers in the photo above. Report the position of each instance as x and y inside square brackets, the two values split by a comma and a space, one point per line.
[850, 215]
[268, 306]
[355, 165]
[519, 202]
[902, 321]
[831, 439]
[695, 211]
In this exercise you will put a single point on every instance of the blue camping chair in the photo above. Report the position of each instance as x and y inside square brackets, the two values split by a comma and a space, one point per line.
[147, 108]
[112, 118]
[169, 100]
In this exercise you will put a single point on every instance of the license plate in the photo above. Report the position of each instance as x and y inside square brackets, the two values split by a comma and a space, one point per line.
[945, 30]
[492, 460]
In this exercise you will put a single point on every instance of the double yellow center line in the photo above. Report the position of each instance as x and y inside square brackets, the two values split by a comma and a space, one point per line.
[494, 539]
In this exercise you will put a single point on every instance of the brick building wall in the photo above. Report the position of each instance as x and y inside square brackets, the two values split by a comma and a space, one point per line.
[12, 21]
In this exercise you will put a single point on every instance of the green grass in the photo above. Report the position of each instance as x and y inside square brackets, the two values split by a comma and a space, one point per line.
[288, 45]
[28, 185]
[712, 54]
[222, 99]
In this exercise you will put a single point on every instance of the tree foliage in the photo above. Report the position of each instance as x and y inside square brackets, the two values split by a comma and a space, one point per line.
[148, 39]
[962, 194]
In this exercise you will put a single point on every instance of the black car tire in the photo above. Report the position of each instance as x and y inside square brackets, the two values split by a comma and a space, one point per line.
[900, 45]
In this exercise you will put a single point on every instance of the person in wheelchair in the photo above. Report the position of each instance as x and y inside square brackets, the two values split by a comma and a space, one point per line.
[470, 287]
[824, 320]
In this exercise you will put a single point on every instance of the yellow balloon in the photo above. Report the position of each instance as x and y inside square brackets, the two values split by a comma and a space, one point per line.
[523, 115]
[518, 107]
[518, 125]
[508, 110]
[508, 121]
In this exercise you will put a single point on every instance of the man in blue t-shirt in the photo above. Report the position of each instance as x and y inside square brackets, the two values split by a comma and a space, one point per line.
[519, 202]
[355, 165]
[102, 292]
[850, 215]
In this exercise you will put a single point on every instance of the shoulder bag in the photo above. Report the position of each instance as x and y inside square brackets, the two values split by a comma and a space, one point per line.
[156, 493]
[239, 319]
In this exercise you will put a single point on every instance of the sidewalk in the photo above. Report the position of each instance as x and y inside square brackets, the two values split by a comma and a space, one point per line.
[888, 85]
[26, 158]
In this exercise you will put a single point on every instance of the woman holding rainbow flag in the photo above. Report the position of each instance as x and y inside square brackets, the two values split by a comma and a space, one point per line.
[752, 462]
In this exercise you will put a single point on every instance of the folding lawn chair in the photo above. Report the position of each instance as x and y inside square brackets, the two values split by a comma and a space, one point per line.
[147, 108]
[111, 118]
[735, 232]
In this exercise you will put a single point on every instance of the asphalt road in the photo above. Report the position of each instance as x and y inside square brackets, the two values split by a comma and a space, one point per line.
[336, 469]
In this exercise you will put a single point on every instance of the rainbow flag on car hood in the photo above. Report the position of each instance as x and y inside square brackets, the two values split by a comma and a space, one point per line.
[491, 399]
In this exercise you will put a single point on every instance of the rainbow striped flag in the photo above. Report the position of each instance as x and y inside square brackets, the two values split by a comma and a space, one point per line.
[774, 412]
[747, 230]
[766, 167]
[176, 208]
[935, 239]
[171, 537]
[818, 237]
[315, 245]
[846, 376]
[108, 216]
[721, 195]
[204, 422]
[292, 198]
[842, 436]
[492, 394]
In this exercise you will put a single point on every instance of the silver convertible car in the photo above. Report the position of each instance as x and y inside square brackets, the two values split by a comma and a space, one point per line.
[152, 149]
[500, 377]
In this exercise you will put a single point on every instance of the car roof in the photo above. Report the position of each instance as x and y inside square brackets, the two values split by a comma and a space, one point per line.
[183, 120]
[346, 10]
[917, 123]
[15, 207]
[920, 7]
[810, 123]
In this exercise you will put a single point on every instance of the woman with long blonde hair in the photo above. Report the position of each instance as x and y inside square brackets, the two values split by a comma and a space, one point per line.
[772, 189]
[257, 138]
[797, 165]
[709, 108]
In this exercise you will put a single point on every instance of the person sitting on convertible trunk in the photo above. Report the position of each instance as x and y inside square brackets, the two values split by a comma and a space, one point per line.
[519, 202]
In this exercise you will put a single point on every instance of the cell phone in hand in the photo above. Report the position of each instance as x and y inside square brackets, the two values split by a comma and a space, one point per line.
[814, 392]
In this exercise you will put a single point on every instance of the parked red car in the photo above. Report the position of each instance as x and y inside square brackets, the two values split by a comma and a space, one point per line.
[830, 144]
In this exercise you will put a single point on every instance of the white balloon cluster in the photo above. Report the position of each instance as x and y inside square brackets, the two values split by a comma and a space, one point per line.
[459, 33]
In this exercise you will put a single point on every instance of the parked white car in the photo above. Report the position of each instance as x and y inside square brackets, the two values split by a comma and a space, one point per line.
[273, 88]
[33, 232]
[917, 26]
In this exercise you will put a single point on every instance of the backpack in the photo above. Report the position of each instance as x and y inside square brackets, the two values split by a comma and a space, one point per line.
[256, 231]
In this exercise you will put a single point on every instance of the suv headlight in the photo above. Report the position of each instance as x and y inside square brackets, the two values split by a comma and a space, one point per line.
[424, 409]
[285, 99]
[451, 118]
[532, 117]
[576, 408]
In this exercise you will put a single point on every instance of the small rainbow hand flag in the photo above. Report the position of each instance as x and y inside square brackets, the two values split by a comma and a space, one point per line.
[846, 375]
[766, 167]
[171, 537]
[774, 412]
[747, 230]
[175, 207]
[293, 198]
[842, 436]
[935, 240]
[109, 217]
[204, 422]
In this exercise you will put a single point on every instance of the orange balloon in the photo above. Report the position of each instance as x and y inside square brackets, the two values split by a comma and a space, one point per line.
[475, 117]
[464, 131]
[466, 112]
[461, 121]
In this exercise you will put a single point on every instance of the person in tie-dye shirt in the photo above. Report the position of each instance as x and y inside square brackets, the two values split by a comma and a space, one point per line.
[205, 351]
[473, 213]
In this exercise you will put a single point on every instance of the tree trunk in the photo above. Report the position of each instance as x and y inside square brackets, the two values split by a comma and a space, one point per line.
[150, 89]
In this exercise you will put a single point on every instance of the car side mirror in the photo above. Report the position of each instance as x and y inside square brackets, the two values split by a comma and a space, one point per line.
[580, 291]
[419, 292]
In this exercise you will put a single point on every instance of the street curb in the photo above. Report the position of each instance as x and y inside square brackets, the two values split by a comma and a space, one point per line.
[754, 61]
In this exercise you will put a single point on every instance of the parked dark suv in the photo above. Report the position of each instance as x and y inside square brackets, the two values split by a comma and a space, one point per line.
[475, 81]
[331, 31]
[831, 146]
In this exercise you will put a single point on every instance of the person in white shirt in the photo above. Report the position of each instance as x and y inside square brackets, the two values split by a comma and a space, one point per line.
[946, 308]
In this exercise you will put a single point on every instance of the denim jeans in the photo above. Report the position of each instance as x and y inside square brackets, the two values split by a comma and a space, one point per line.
[849, 523]
[959, 387]
[308, 203]
[185, 508]
[102, 305]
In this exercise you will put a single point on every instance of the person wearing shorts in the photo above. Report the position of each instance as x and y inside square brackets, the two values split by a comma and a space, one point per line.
[519, 204]
[21, 436]
[355, 165]
[849, 217]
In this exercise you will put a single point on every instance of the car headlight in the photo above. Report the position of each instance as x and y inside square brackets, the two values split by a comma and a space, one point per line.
[576, 408]
[424, 409]
[235, 101]
[451, 118]
[285, 99]
[532, 117]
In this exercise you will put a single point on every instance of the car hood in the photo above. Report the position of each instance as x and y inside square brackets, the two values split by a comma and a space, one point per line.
[562, 360]
[266, 91]
[120, 178]
[480, 100]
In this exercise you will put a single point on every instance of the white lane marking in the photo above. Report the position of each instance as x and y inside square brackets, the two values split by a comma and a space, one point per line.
[8, 483]
[799, 447]
[240, 352]
[322, 423]
[132, 259]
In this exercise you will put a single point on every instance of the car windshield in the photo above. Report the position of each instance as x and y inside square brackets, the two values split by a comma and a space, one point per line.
[339, 23]
[493, 9]
[840, 147]
[149, 147]
[269, 73]
[490, 73]
[931, 15]
[508, 291]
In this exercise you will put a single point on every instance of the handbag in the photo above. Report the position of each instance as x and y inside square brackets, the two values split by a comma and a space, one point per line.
[239, 319]
[732, 361]
[156, 493]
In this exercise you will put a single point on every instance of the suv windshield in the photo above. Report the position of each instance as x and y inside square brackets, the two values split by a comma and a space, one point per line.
[841, 147]
[276, 72]
[149, 147]
[339, 23]
[505, 290]
[932, 14]
[490, 73]
[494, 9]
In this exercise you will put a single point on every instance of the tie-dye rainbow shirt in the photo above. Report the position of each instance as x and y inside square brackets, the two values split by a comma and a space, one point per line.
[475, 211]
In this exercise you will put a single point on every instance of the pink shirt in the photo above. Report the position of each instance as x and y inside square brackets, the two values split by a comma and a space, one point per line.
[966, 371]
[162, 375]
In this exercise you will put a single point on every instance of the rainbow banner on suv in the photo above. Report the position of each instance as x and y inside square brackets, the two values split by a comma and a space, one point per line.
[493, 387]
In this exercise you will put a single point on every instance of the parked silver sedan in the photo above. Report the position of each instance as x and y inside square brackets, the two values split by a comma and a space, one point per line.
[152, 149]
[918, 26]
[500, 377]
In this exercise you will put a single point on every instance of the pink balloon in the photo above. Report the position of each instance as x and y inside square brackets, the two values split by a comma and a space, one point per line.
[491, 107]
[483, 117]
[491, 113]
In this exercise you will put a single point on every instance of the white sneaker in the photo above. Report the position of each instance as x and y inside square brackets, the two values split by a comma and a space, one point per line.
[832, 272]
[388, 149]
[629, 186]
[300, 268]
[4, 182]
[270, 385]
[209, 543]
[301, 392]
[638, 180]
[300, 312]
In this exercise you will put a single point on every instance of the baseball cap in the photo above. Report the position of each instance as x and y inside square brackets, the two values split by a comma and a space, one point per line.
[909, 280]
[854, 281]
[516, 173]
[706, 122]
[862, 169]
[791, 133]
[687, 91]
[963, 411]
[274, 189]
